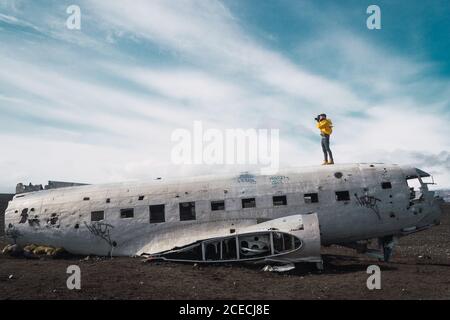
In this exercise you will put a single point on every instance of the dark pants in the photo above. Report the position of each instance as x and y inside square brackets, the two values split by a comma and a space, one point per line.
[326, 147]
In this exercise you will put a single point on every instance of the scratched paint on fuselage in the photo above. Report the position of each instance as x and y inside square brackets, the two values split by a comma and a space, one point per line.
[339, 221]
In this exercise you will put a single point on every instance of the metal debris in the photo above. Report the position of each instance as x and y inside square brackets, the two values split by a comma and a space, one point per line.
[283, 268]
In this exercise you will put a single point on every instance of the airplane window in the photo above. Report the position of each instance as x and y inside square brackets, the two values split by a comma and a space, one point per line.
[157, 213]
[141, 198]
[386, 185]
[342, 196]
[97, 216]
[126, 213]
[248, 203]
[86, 199]
[217, 205]
[311, 197]
[279, 201]
[187, 211]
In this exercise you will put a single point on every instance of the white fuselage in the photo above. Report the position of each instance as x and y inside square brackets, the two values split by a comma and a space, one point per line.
[353, 202]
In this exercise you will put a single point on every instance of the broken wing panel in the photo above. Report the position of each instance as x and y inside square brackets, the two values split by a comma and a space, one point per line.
[289, 239]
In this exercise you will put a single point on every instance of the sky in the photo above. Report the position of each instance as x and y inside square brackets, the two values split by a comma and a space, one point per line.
[100, 104]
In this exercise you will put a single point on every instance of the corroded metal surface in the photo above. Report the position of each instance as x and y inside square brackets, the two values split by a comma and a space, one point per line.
[353, 202]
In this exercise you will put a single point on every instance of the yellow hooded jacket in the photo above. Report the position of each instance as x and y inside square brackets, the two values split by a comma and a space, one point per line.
[325, 126]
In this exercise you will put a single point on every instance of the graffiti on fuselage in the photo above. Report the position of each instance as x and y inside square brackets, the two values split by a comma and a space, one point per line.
[102, 231]
[369, 202]
[276, 180]
[247, 178]
[24, 216]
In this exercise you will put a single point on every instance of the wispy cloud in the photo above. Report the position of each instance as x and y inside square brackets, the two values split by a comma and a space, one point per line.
[207, 33]
[15, 22]
[100, 104]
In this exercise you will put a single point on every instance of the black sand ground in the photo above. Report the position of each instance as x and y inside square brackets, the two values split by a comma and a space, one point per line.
[420, 269]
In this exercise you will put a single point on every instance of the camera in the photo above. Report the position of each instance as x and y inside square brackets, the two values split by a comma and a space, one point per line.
[323, 115]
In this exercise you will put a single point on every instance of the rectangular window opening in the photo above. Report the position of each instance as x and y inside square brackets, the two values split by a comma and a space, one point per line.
[342, 196]
[311, 197]
[126, 213]
[141, 198]
[157, 213]
[217, 205]
[386, 185]
[97, 216]
[187, 211]
[248, 203]
[279, 201]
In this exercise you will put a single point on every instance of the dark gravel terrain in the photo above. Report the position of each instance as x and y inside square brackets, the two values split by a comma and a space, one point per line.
[420, 269]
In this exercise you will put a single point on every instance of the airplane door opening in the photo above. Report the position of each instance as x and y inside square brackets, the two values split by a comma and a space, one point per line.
[414, 187]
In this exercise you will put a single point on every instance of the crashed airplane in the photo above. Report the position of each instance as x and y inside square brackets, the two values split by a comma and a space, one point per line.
[283, 218]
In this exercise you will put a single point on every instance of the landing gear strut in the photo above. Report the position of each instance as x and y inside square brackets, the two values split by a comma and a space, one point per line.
[384, 252]
[387, 245]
